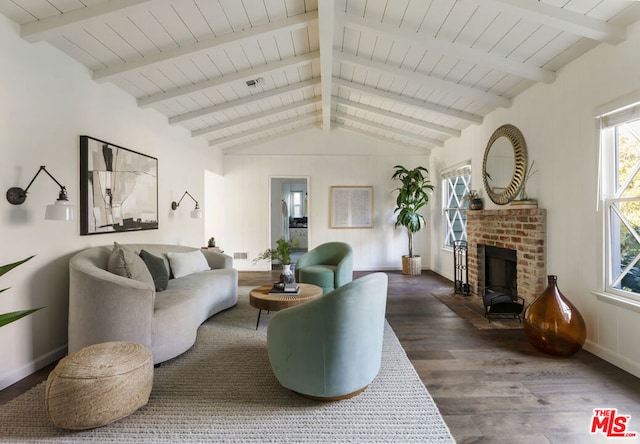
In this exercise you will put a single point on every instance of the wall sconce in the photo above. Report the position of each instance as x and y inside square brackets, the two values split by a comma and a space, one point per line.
[62, 209]
[196, 213]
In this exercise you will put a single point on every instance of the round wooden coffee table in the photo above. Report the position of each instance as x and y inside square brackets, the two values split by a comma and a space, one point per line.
[261, 299]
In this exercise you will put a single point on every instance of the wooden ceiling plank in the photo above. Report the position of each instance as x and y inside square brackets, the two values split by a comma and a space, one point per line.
[205, 45]
[463, 52]
[52, 26]
[564, 20]
[326, 17]
[265, 138]
[421, 78]
[219, 81]
[421, 149]
[244, 101]
[254, 117]
[261, 129]
[399, 117]
[473, 118]
[390, 129]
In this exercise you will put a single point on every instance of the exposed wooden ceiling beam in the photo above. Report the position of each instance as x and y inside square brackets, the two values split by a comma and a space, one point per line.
[398, 117]
[53, 26]
[253, 117]
[155, 99]
[388, 128]
[563, 20]
[285, 90]
[253, 132]
[263, 139]
[423, 149]
[288, 24]
[326, 25]
[426, 106]
[425, 79]
[428, 43]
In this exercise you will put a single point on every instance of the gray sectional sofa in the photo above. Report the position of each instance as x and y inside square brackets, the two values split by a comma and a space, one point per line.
[107, 307]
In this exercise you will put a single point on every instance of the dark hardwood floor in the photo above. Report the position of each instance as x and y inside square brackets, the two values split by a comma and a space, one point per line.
[491, 386]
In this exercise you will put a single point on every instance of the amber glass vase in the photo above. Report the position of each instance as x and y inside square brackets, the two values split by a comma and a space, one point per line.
[554, 325]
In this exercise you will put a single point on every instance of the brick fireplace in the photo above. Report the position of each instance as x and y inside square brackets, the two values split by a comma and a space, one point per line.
[522, 230]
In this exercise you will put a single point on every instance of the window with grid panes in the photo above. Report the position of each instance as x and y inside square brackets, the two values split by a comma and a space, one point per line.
[455, 185]
[620, 192]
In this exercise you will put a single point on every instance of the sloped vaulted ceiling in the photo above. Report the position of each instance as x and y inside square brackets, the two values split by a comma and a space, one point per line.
[236, 72]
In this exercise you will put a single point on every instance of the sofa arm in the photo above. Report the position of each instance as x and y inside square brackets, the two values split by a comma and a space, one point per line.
[104, 307]
[218, 260]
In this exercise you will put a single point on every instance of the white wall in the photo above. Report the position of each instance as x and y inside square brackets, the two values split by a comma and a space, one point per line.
[317, 154]
[46, 102]
[561, 134]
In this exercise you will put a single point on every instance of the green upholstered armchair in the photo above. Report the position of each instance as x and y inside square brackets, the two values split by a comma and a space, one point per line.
[329, 266]
[331, 348]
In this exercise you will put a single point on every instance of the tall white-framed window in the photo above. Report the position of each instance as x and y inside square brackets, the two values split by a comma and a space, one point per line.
[296, 204]
[455, 185]
[620, 199]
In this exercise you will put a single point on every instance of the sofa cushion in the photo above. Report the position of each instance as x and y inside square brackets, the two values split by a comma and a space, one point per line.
[184, 264]
[125, 262]
[157, 269]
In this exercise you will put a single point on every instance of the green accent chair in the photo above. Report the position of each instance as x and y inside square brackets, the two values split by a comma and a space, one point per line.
[329, 266]
[331, 348]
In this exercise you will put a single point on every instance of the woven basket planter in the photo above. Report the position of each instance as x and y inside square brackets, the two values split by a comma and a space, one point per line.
[412, 266]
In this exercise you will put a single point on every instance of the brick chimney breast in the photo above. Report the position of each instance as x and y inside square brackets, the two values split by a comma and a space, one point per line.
[523, 230]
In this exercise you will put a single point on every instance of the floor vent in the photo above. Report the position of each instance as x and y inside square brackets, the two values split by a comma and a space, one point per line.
[241, 255]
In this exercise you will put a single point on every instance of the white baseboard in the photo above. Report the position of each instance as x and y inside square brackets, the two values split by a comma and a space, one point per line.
[614, 358]
[15, 375]
[443, 273]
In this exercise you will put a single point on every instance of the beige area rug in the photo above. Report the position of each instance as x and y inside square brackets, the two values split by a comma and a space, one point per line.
[471, 309]
[223, 390]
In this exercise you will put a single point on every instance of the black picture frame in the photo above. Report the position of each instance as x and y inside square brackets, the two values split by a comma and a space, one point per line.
[118, 188]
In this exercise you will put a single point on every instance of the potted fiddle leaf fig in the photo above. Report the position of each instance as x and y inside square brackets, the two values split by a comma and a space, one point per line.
[7, 318]
[413, 194]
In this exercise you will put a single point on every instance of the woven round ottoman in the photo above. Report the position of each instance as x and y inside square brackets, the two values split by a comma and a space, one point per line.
[99, 384]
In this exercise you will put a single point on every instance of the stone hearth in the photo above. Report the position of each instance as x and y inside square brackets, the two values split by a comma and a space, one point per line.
[523, 230]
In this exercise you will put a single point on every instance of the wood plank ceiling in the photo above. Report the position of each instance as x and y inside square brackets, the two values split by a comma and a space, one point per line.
[237, 72]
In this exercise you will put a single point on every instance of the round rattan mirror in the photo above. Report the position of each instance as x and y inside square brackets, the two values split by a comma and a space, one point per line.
[504, 164]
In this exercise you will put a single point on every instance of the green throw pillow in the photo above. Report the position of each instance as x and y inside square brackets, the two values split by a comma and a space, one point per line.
[157, 269]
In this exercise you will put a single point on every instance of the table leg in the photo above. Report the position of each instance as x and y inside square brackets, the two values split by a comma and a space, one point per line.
[258, 322]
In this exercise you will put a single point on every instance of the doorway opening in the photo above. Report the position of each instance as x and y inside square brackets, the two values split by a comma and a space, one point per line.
[290, 214]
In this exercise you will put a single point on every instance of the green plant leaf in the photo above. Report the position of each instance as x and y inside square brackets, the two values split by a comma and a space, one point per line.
[281, 253]
[6, 268]
[8, 318]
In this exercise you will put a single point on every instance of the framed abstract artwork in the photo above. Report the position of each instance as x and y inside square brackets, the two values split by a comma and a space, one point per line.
[118, 188]
[351, 207]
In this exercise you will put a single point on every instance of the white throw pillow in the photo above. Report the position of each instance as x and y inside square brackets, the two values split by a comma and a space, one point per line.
[184, 264]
